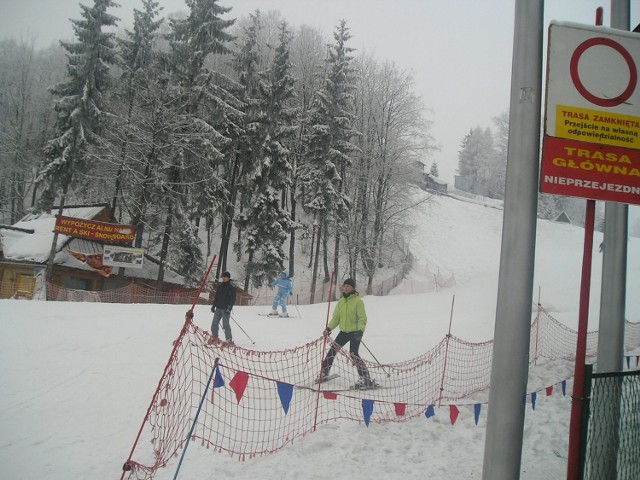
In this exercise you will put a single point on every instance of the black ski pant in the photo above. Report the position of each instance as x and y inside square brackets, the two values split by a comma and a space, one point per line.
[221, 314]
[354, 345]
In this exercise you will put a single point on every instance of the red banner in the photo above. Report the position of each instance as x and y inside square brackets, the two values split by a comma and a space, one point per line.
[588, 170]
[94, 260]
[103, 232]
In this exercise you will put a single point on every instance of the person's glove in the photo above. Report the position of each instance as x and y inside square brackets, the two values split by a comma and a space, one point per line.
[290, 293]
[228, 309]
[189, 314]
[327, 331]
[213, 308]
[357, 335]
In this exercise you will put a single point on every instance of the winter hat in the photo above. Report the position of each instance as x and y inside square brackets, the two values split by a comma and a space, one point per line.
[350, 281]
[227, 274]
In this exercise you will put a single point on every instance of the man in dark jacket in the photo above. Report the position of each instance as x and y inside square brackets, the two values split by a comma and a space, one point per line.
[222, 305]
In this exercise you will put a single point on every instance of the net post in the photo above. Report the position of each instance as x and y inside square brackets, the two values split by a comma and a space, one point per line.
[195, 418]
[446, 353]
[324, 349]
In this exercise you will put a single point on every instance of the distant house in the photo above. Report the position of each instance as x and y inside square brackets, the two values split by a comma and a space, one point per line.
[434, 184]
[428, 182]
[25, 248]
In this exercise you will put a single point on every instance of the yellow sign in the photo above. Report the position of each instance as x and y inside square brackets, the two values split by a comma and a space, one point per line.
[595, 126]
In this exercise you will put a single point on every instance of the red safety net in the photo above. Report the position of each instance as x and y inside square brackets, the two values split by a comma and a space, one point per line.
[257, 402]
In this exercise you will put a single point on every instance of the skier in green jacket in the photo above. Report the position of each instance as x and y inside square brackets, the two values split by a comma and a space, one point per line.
[351, 317]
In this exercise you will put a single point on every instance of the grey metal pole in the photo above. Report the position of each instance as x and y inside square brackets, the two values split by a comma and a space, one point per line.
[614, 255]
[612, 304]
[510, 368]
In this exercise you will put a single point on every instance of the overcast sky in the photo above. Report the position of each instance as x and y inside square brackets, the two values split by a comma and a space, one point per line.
[459, 51]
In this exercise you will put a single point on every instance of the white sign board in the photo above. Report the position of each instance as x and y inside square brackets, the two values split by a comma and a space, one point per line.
[123, 257]
[591, 146]
[592, 85]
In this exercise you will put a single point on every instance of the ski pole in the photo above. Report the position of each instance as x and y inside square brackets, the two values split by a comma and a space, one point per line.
[251, 339]
[374, 357]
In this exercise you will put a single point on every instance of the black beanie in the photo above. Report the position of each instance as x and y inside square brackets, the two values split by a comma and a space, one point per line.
[227, 274]
[350, 281]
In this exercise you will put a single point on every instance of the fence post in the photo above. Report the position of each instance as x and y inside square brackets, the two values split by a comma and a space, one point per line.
[446, 354]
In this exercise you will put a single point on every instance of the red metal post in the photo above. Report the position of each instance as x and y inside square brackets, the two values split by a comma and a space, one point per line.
[573, 460]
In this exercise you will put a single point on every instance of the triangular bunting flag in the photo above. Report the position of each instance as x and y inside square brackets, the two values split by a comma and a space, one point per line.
[453, 414]
[367, 410]
[401, 409]
[534, 397]
[285, 392]
[476, 411]
[218, 381]
[429, 412]
[549, 391]
[564, 388]
[330, 395]
[239, 383]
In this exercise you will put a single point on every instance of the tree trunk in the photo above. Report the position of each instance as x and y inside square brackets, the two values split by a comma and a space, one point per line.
[315, 267]
[325, 251]
[313, 239]
[54, 242]
[292, 237]
[166, 236]
[336, 262]
[247, 277]
[227, 223]
[123, 154]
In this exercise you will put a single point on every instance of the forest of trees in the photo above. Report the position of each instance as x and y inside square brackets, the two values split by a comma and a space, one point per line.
[216, 135]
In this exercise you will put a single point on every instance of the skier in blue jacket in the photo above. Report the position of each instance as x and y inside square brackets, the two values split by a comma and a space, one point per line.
[285, 288]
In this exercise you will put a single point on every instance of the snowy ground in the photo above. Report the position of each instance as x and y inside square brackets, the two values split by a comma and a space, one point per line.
[78, 377]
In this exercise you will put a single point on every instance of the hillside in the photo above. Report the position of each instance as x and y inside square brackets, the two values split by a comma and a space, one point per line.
[79, 376]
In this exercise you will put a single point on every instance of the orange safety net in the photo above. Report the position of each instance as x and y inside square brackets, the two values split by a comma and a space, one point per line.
[257, 402]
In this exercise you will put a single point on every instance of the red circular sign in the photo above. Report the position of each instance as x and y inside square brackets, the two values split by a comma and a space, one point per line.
[575, 77]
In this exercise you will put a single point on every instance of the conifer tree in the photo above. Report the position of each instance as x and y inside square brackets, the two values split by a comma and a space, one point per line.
[477, 152]
[244, 156]
[137, 58]
[329, 142]
[433, 171]
[79, 108]
[265, 220]
[202, 106]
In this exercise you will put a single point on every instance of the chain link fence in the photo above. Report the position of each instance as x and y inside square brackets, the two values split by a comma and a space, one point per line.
[610, 444]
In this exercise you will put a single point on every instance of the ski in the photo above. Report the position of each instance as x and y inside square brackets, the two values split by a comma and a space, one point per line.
[357, 386]
[353, 388]
[316, 383]
[275, 316]
[327, 378]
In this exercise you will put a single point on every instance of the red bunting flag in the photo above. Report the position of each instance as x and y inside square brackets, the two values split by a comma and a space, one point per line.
[239, 383]
[401, 409]
[453, 414]
[549, 391]
[330, 395]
